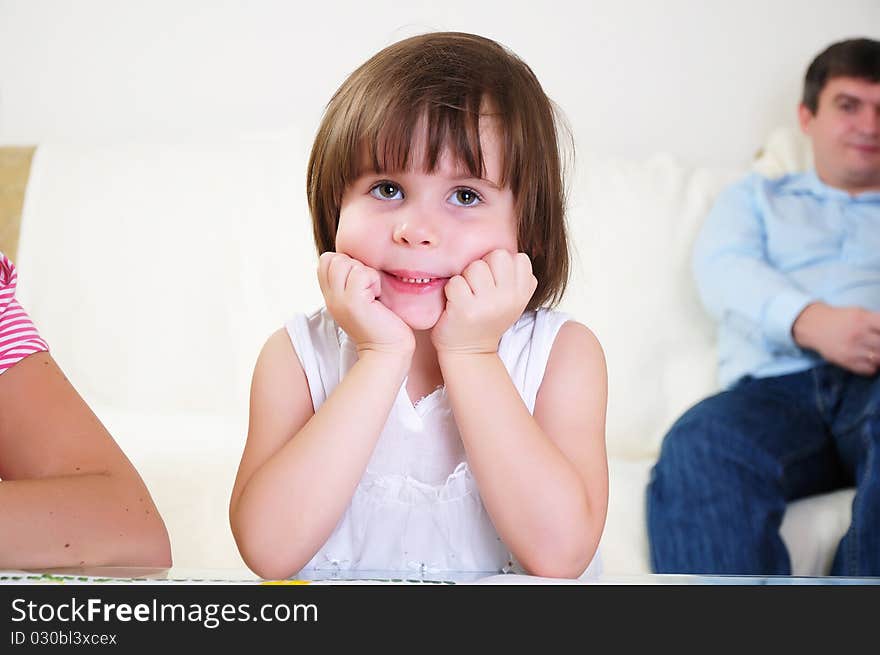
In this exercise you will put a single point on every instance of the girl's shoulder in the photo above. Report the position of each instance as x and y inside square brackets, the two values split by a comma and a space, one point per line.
[323, 350]
[575, 373]
[539, 329]
[544, 331]
[315, 331]
[579, 343]
[537, 336]
[292, 346]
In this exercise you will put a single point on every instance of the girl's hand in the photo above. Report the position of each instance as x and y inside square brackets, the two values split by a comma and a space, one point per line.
[351, 290]
[481, 303]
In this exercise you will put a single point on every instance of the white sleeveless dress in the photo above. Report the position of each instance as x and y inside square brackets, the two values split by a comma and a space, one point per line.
[417, 507]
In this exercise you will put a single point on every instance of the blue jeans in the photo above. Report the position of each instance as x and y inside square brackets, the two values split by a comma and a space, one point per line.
[730, 464]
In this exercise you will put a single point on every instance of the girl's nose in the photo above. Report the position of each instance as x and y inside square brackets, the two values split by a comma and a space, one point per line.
[415, 233]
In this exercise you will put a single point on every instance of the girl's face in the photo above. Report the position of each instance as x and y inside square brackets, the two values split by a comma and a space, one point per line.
[419, 229]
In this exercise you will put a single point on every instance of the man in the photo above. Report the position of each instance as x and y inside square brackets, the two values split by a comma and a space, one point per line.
[790, 268]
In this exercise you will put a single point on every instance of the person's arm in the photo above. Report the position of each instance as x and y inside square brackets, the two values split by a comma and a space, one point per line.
[736, 281]
[69, 497]
[300, 468]
[542, 478]
[846, 336]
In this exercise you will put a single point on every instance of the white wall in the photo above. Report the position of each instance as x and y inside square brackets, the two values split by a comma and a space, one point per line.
[705, 80]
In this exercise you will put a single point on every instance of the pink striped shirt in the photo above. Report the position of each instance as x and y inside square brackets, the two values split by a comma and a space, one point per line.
[18, 336]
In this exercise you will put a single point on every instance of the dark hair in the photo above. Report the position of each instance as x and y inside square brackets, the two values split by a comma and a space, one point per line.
[851, 58]
[448, 78]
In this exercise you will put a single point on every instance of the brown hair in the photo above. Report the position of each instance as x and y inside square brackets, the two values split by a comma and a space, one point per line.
[851, 58]
[447, 78]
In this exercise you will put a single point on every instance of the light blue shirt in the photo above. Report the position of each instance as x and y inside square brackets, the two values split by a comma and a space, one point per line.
[768, 249]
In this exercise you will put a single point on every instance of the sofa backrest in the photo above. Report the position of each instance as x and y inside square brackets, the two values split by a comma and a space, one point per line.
[157, 271]
[634, 223]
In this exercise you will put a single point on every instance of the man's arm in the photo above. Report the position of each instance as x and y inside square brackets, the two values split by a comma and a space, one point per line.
[736, 281]
[68, 495]
[846, 336]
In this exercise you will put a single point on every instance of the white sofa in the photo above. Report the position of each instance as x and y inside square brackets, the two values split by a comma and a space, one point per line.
[157, 271]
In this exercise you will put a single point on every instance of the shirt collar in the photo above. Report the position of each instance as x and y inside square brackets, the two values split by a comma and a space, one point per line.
[809, 182]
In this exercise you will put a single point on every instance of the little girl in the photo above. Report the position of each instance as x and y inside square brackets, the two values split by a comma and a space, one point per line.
[434, 416]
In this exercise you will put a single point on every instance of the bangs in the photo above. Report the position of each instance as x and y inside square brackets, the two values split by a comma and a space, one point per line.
[398, 138]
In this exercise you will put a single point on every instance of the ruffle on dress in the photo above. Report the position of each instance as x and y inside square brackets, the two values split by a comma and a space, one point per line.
[395, 522]
[406, 490]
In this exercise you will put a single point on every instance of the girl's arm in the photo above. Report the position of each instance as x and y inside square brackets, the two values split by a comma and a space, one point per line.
[543, 478]
[68, 496]
[300, 468]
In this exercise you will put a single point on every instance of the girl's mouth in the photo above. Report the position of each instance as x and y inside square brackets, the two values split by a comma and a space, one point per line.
[413, 281]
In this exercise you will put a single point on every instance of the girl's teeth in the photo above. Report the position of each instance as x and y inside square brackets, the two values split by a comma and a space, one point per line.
[416, 280]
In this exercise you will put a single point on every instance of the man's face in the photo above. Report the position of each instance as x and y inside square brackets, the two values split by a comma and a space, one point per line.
[845, 131]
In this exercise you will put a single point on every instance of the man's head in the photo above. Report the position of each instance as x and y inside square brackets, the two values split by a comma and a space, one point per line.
[840, 112]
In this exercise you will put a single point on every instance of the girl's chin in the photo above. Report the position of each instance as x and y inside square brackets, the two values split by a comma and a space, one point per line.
[421, 318]
[421, 324]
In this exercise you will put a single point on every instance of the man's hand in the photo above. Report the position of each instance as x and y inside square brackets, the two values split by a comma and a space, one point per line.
[482, 302]
[846, 336]
[351, 290]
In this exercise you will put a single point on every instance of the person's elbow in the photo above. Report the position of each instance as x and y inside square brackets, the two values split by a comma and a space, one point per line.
[264, 557]
[143, 538]
[566, 547]
[270, 550]
[269, 567]
[565, 557]
[155, 550]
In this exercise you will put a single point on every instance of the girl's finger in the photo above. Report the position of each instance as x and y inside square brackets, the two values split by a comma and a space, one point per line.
[501, 265]
[478, 276]
[362, 280]
[458, 290]
[338, 271]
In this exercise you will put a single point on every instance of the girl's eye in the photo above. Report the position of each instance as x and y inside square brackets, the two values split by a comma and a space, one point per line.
[466, 198]
[387, 191]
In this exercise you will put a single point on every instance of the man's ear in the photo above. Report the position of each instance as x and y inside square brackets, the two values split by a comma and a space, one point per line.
[805, 118]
